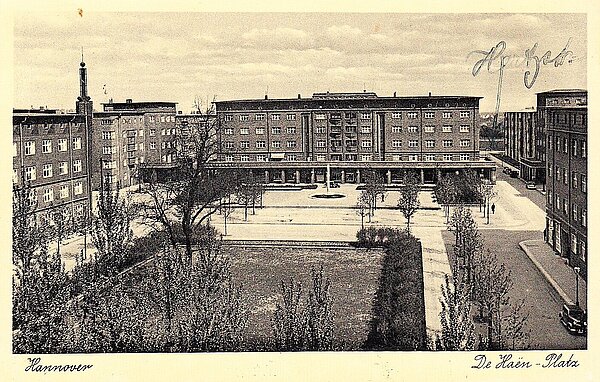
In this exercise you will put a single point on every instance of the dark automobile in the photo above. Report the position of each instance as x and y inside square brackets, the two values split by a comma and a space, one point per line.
[334, 185]
[506, 170]
[530, 185]
[514, 174]
[573, 318]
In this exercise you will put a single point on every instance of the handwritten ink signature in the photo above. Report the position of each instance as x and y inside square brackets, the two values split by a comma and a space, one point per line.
[532, 62]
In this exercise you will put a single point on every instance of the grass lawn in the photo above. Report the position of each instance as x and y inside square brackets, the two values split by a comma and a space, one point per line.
[354, 279]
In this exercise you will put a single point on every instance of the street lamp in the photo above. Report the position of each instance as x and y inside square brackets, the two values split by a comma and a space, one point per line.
[576, 269]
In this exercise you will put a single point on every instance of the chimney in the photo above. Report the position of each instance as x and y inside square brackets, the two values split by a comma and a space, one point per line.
[129, 100]
[430, 94]
[299, 96]
[394, 94]
[266, 96]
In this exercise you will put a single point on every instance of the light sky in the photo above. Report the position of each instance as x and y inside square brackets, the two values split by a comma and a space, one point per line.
[179, 56]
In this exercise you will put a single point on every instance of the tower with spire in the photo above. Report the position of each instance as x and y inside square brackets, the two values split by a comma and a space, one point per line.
[84, 102]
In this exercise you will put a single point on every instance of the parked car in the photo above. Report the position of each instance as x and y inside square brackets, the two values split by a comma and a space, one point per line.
[530, 185]
[506, 170]
[514, 174]
[334, 185]
[573, 318]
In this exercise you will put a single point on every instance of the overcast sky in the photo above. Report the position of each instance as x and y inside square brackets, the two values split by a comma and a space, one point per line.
[178, 56]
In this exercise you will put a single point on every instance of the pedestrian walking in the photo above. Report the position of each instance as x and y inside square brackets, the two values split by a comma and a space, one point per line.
[493, 208]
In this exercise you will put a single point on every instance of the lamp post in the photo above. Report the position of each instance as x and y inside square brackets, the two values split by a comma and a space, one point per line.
[576, 269]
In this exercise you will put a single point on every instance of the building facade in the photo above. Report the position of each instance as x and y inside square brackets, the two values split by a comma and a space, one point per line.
[526, 131]
[566, 203]
[132, 140]
[294, 140]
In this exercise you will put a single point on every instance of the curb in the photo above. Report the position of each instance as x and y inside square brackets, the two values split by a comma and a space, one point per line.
[563, 295]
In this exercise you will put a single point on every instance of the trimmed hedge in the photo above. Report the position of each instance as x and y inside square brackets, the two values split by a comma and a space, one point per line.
[398, 313]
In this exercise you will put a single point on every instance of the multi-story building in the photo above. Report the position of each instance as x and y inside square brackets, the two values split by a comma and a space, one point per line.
[566, 197]
[132, 141]
[294, 140]
[51, 155]
[525, 132]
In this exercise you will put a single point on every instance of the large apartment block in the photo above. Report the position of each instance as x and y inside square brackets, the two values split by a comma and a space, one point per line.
[132, 139]
[293, 140]
[566, 203]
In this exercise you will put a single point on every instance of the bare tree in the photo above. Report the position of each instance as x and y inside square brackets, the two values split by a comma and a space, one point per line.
[363, 207]
[487, 195]
[467, 239]
[408, 202]
[374, 187]
[195, 190]
[455, 318]
[445, 191]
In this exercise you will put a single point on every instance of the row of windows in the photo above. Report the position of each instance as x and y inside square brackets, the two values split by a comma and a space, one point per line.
[259, 144]
[48, 170]
[349, 129]
[577, 179]
[578, 146]
[576, 215]
[47, 146]
[352, 157]
[48, 194]
[363, 115]
[396, 143]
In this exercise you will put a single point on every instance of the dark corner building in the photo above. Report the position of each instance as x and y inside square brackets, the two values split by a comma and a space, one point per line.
[565, 119]
[51, 154]
[525, 131]
[294, 140]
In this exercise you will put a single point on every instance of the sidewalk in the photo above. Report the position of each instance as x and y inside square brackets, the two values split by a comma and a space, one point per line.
[554, 269]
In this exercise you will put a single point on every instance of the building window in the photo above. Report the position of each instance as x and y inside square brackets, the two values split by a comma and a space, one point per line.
[152, 145]
[46, 146]
[320, 129]
[429, 115]
[397, 143]
[78, 188]
[62, 144]
[29, 148]
[550, 197]
[413, 158]
[245, 158]
[275, 117]
[63, 168]
[366, 157]
[259, 117]
[413, 129]
[366, 144]
[447, 143]
[429, 129]
[261, 144]
[48, 195]
[291, 157]
[77, 143]
[464, 157]
[228, 118]
[77, 165]
[465, 114]
[447, 157]
[465, 142]
[261, 157]
[429, 157]
[396, 157]
[321, 143]
[565, 146]
[464, 128]
[107, 135]
[447, 128]
[574, 243]
[412, 115]
[244, 131]
[397, 115]
[430, 144]
[245, 144]
[107, 150]
[446, 114]
[565, 207]
[30, 173]
[574, 179]
[574, 210]
[584, 217]
[582, 250]
[47, 170]
[321, 157]
[413, 143]
[583, 149]
[276, 130]
[558, 173]
[64, 191]
[276, 144]
[557, 201]
[291, 130]
[320, 116]
[583, 183]
[228, 131]
[229, 158]
[291, 117]
[109, 121]
[291, 144]
[574, 147]
[365, 115]
[366, 129]
[244, 118]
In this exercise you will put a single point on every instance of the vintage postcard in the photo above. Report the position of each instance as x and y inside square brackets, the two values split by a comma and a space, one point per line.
[311, 193]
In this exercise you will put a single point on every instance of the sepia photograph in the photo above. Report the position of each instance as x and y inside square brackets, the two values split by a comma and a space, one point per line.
[273, 182]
